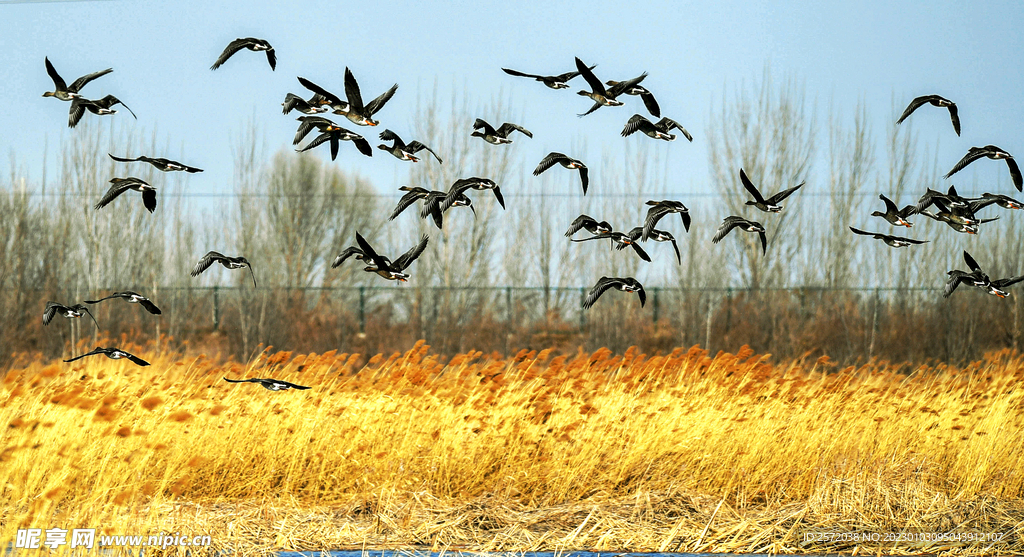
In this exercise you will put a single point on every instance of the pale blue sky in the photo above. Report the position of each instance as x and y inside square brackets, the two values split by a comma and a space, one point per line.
[694, 52]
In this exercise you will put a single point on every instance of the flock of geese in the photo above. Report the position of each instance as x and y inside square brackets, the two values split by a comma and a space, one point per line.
[956, 211]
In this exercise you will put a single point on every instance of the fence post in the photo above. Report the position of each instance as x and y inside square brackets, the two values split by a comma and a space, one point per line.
[362, 309]
[216, 308]
[654, 302]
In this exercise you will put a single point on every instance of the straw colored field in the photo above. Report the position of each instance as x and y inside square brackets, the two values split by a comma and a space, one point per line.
[595, 451]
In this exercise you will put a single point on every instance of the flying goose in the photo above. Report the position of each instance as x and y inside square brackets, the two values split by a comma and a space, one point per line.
[977, 277]
[657, 236]
[598, 93]
[70, 312]
[644, 94]
[66, 92]
[894, 215]
[552, 81]
[748, 225]
[99, 107]
[113, 354]
[933, 100]
[567, 162]
[121, 185]
[335, 136]
[590, 225]
[619, 240]
[230, 262]
[133, 298]
[402, 150]
[497, 136]
[770, 205]
[253, 44]
[460, 186]
[385, 267]
[358, 113]
[987, 199]
[315, 105]
[992, 152]
[628, 284]
[432, 205]
[269, 384]
[894, 241]
[325, 97]
[164, 165]
[658, 130]
[661, 208]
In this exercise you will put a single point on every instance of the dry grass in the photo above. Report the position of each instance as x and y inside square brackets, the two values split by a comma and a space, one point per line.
[594, 451]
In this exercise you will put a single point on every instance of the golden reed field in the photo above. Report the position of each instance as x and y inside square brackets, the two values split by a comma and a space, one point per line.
[683, 452]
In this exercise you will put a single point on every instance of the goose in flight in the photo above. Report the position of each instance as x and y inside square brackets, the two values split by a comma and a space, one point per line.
[335, 136]
[325, 97]
[657, 130]
[657, 236]
[894, 241]
[164, 165]
[497, 136]
[977, 277]
[253, 44]
[598, 93]
[121, 185]
[391, 270]
[402, 150]
[457, 191]
[113, 354]
[230, 262]
[432, 205]
[66, 92]
[315, 105]
[987, 199]
[358, 113]
[661, 208]
[619, 240]
[552, 81]
[930, 197]
[748, 225]
[770, 205]
[269, 384]
[132, 298]
[99, 107]
[70, 312]
[567, 162]
[351, 251]
[992, 152]
[628, 284]
[649, 101]
[590, 225]
[894, 215]
[933, 100]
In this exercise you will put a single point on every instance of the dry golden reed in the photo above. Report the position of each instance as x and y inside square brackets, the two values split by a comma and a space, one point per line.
[679, 451]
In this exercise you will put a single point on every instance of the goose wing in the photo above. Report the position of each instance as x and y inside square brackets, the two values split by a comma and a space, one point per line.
[578, 224]
[325, 136]
[1018, 180]
[149, 199]
[355, 98]
[603, 284]
[547, 162]
[1004, 282]
[206, 261]
[750, 187]
[251, 273]
[77, 84]
[378, 103]
[636, 123]
[785, 193]
[914, 105]
[651, 104]
[584, 178]
[388, 135]
[76, 111]
[955, 278]
[114, 295]
[362, 144]
[345, 254]
[623, 86]
[233, 47]
[51, 309]
[654, 214]
[508, 128]
[955, 117]
[368, 251]
[518, 73]
[149, 306]
[727, 225]
[404, 203]
[973, 154]
[92, 352]
[764, 242]
[306, 125]
[640, 251]
[480, 124]
[120, 159]
[112, 193]
[675, 246]
[595, 84]
[330, 97]
[408, 257]
[890, 207]
[272, 58]
[58, 81]
[134, 359]
[290, 385]
[81, 308]
[972, 263]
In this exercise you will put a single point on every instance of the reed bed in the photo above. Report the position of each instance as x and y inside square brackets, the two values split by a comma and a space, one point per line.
[685, 451]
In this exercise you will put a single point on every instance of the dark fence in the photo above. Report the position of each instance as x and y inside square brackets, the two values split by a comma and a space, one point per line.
[846, 324]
